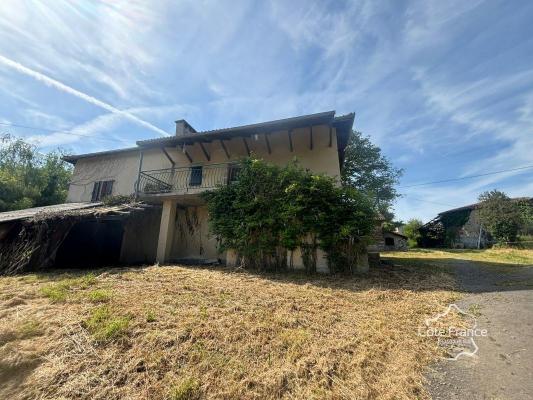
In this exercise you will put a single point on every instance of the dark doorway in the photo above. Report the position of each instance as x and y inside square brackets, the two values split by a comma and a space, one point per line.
[91, 244]
[389, 241]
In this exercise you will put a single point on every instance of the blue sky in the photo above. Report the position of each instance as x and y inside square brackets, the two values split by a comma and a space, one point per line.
[444, 87]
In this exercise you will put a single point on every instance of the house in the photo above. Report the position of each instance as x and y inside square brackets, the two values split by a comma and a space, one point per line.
[388, 241]
[173, 171]
[458, 228]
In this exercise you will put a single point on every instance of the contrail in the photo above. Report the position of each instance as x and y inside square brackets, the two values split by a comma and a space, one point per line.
[67, 89]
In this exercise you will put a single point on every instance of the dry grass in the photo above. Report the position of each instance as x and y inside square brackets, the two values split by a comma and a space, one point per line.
[496, 256]
[190, 333]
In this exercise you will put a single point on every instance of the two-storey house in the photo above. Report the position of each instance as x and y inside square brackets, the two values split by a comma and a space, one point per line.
[173, 171]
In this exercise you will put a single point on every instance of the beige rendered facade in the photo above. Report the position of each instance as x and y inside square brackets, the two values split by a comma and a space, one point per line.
[173, 172]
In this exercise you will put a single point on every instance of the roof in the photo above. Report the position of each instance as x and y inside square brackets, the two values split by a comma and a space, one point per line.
[73, 158]
[342, 123]
[27, 213]
[471, 207]
[243, 130]
[395, 234]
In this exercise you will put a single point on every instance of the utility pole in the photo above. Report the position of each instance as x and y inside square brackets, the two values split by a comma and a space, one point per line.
[479, 237]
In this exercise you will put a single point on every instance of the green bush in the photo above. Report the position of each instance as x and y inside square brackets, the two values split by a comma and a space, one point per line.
[272, 209]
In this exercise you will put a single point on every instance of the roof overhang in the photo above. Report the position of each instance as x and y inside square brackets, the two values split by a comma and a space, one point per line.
[324, 118]
[342, 124]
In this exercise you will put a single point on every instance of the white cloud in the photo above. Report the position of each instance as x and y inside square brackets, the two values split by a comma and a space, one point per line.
[88, 132]
[67, 89]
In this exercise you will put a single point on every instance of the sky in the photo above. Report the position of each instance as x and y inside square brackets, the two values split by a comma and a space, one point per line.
[445, 88]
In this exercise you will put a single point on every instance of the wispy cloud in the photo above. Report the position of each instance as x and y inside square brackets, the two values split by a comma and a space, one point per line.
[445, 88]
[67, 89]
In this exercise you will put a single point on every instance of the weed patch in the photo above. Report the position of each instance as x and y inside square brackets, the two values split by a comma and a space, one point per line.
[99, 296]
[105, 326]
[188, 389]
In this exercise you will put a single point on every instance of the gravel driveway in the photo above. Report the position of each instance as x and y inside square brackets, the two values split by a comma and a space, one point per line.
[503, 367]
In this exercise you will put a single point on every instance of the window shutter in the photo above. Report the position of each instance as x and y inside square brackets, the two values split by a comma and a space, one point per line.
[96, 191]
[108, 189]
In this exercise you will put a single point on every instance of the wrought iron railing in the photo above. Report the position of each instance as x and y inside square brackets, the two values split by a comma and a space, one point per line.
[186, 179]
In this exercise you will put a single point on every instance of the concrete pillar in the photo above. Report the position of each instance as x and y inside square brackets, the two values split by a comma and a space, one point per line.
[166, 231]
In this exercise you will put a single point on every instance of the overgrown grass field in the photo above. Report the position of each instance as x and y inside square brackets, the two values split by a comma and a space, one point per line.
[176, 332]
[507, 256]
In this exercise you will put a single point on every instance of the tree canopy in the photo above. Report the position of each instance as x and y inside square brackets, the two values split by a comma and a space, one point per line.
[272, 209]
[29, 178]
[500, 215]
[369, 171]
[412, 230]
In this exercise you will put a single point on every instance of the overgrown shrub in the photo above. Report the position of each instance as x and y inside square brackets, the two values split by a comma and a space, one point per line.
[272, 209]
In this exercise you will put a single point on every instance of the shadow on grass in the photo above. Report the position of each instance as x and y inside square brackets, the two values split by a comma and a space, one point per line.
[395, 273]
[475, 276]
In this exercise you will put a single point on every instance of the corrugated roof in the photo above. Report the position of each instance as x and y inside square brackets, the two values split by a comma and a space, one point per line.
[32, 212]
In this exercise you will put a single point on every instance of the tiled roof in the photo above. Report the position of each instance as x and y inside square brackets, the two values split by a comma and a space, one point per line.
[73, 158]
[226, 133]
[342, 123]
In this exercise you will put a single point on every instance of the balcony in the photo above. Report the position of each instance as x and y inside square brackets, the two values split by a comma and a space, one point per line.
[186, 180]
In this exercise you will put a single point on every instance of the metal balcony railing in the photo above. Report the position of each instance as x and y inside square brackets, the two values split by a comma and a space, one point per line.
[187, 179]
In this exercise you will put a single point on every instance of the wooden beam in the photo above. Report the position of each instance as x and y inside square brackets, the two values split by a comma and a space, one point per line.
[310, 138]
[137, 188]
[225, 149]
[186, 153]
[168, 156]
[268, 144]
[206, 154]
[330, 136]
[289, 132]
[246, 145]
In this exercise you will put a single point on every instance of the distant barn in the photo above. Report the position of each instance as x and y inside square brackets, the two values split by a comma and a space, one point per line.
[458, 228]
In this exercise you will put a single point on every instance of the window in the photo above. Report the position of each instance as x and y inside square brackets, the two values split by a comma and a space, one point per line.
[389, 241]
[102, 189]
[233, 172]
[196, 176]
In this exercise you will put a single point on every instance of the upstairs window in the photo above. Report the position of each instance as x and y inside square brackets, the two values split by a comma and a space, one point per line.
[233, 172]
[101, 190]
[196, 176]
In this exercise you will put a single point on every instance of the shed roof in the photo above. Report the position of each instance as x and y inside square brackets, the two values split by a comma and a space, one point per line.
[17, 215]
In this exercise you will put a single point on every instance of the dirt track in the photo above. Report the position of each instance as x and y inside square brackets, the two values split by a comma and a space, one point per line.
[503, 366]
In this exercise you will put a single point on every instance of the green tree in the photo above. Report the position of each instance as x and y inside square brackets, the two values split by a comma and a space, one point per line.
[369, 171]
[412, 230]
[272, 209]
[500, 215]
[526, 213]
[28, 178]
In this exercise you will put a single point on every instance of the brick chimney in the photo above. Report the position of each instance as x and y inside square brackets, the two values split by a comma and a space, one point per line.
[183, 128]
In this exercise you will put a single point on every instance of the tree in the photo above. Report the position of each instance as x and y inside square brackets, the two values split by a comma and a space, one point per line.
[28, 178]
[499, 215]
[526, 213]
[272, 209]
[369, 171]
[412, 230]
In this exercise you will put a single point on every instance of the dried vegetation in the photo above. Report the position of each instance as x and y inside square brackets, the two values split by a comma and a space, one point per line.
[188, 333]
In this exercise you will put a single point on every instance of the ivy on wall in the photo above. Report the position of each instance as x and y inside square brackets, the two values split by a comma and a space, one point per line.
[269, 210]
